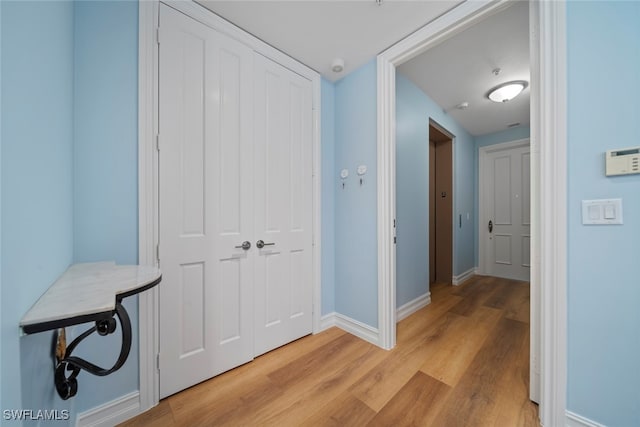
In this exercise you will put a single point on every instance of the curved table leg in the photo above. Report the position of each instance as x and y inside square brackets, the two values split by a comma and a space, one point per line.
[67, 385]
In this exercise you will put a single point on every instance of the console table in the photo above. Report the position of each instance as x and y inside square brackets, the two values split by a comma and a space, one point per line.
[89, 292]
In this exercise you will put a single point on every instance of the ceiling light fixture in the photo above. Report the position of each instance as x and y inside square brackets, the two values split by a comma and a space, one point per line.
[507, 91]
[337, 65]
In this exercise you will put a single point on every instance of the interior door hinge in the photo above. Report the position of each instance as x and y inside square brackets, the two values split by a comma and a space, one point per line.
[158, 142]
[158, 35]
[158, 253]
[158, 362]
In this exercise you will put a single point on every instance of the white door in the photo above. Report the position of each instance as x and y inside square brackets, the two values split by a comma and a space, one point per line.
[283, 205]
[235, 167]
[206, 205]
[506, 220]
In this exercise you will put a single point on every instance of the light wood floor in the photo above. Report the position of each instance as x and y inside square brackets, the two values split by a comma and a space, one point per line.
[461, 361]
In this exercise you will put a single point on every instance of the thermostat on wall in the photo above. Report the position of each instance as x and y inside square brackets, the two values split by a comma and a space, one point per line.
[623, 162]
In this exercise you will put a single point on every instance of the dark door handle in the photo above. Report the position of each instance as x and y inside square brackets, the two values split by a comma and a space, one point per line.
[490, 226]
[261, 244]
[246, 245]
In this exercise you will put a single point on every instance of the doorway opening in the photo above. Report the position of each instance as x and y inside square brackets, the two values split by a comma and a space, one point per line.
[440, 204]
[548, 178]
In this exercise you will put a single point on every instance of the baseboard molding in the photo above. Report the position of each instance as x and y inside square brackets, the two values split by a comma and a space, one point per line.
[575, 420]
[460, 278]
[111, 413]
[411, 307]
[327, 321]
[354, 327]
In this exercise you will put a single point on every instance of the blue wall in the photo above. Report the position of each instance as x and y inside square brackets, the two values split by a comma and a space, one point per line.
[356, 286]
[413, 111]
[106, 170]
[37, 205]
[328, 146]
[603, 290]
[507, 135]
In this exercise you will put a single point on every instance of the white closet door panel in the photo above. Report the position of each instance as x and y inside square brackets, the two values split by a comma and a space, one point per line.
[283, 205]
[186, 341]
[230, 211]
[205, 202]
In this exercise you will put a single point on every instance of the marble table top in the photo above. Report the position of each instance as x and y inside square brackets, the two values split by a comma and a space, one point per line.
[85, 290]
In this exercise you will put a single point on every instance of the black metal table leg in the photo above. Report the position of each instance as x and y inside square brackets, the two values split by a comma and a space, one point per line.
[69, 367]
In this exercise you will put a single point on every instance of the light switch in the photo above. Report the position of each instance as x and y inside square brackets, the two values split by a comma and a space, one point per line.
[602, 212]
[609, 211]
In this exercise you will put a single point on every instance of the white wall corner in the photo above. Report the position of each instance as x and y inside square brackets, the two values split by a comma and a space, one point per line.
[461, 278]
[575, 420]
[111, 413]
[412, 306]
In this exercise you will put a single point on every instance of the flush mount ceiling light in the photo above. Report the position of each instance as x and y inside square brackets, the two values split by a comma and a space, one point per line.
[506, 91]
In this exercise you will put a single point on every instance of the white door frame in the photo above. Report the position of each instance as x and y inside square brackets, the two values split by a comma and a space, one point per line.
[548, 172]
[148, 302]
[482, 220]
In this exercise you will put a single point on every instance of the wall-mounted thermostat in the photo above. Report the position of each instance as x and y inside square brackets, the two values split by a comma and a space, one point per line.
[623, 162]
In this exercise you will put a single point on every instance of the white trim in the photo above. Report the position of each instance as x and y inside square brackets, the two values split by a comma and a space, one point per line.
[482, 216]
[148, 176]
[535, 277]
[357, 328]
[463, 277]
[575, 420]
[148, 331]
[317, 203]
[549, 121]
[412, 306]
[327, 321]
[111, 413]
[550, 136]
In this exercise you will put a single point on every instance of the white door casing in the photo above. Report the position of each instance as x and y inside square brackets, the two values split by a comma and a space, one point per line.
[283, 205]
[505, 210]
[548, 174]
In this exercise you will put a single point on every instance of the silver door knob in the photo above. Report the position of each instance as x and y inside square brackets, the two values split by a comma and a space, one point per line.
[246, 245]
[261, 244]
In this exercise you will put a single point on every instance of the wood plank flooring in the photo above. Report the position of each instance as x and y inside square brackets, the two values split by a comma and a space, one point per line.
[461, 361]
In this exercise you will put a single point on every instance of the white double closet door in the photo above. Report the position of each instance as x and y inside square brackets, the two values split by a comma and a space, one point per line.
[235, 166]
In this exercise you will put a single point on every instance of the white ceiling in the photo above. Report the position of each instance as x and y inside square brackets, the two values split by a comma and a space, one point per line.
[316, 32]
[455, 71]
[460, 70]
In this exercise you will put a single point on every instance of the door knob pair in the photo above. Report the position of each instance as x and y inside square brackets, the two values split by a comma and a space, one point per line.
[246, 245]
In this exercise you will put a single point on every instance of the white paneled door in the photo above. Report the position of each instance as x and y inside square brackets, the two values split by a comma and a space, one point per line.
[283, 205]
[505, 193]
[234, 168]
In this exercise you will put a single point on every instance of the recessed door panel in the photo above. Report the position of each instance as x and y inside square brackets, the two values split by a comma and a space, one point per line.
[502, 193]
[191, 306]
[502, 248]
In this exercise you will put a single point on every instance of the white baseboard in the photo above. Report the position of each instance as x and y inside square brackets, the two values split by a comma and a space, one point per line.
[411, 307]
[111, 413]
[575, 420]
[327, 321]
[460, 278]
[354, 327]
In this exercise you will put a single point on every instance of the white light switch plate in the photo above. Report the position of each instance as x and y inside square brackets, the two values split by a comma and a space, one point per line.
[602, 212]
